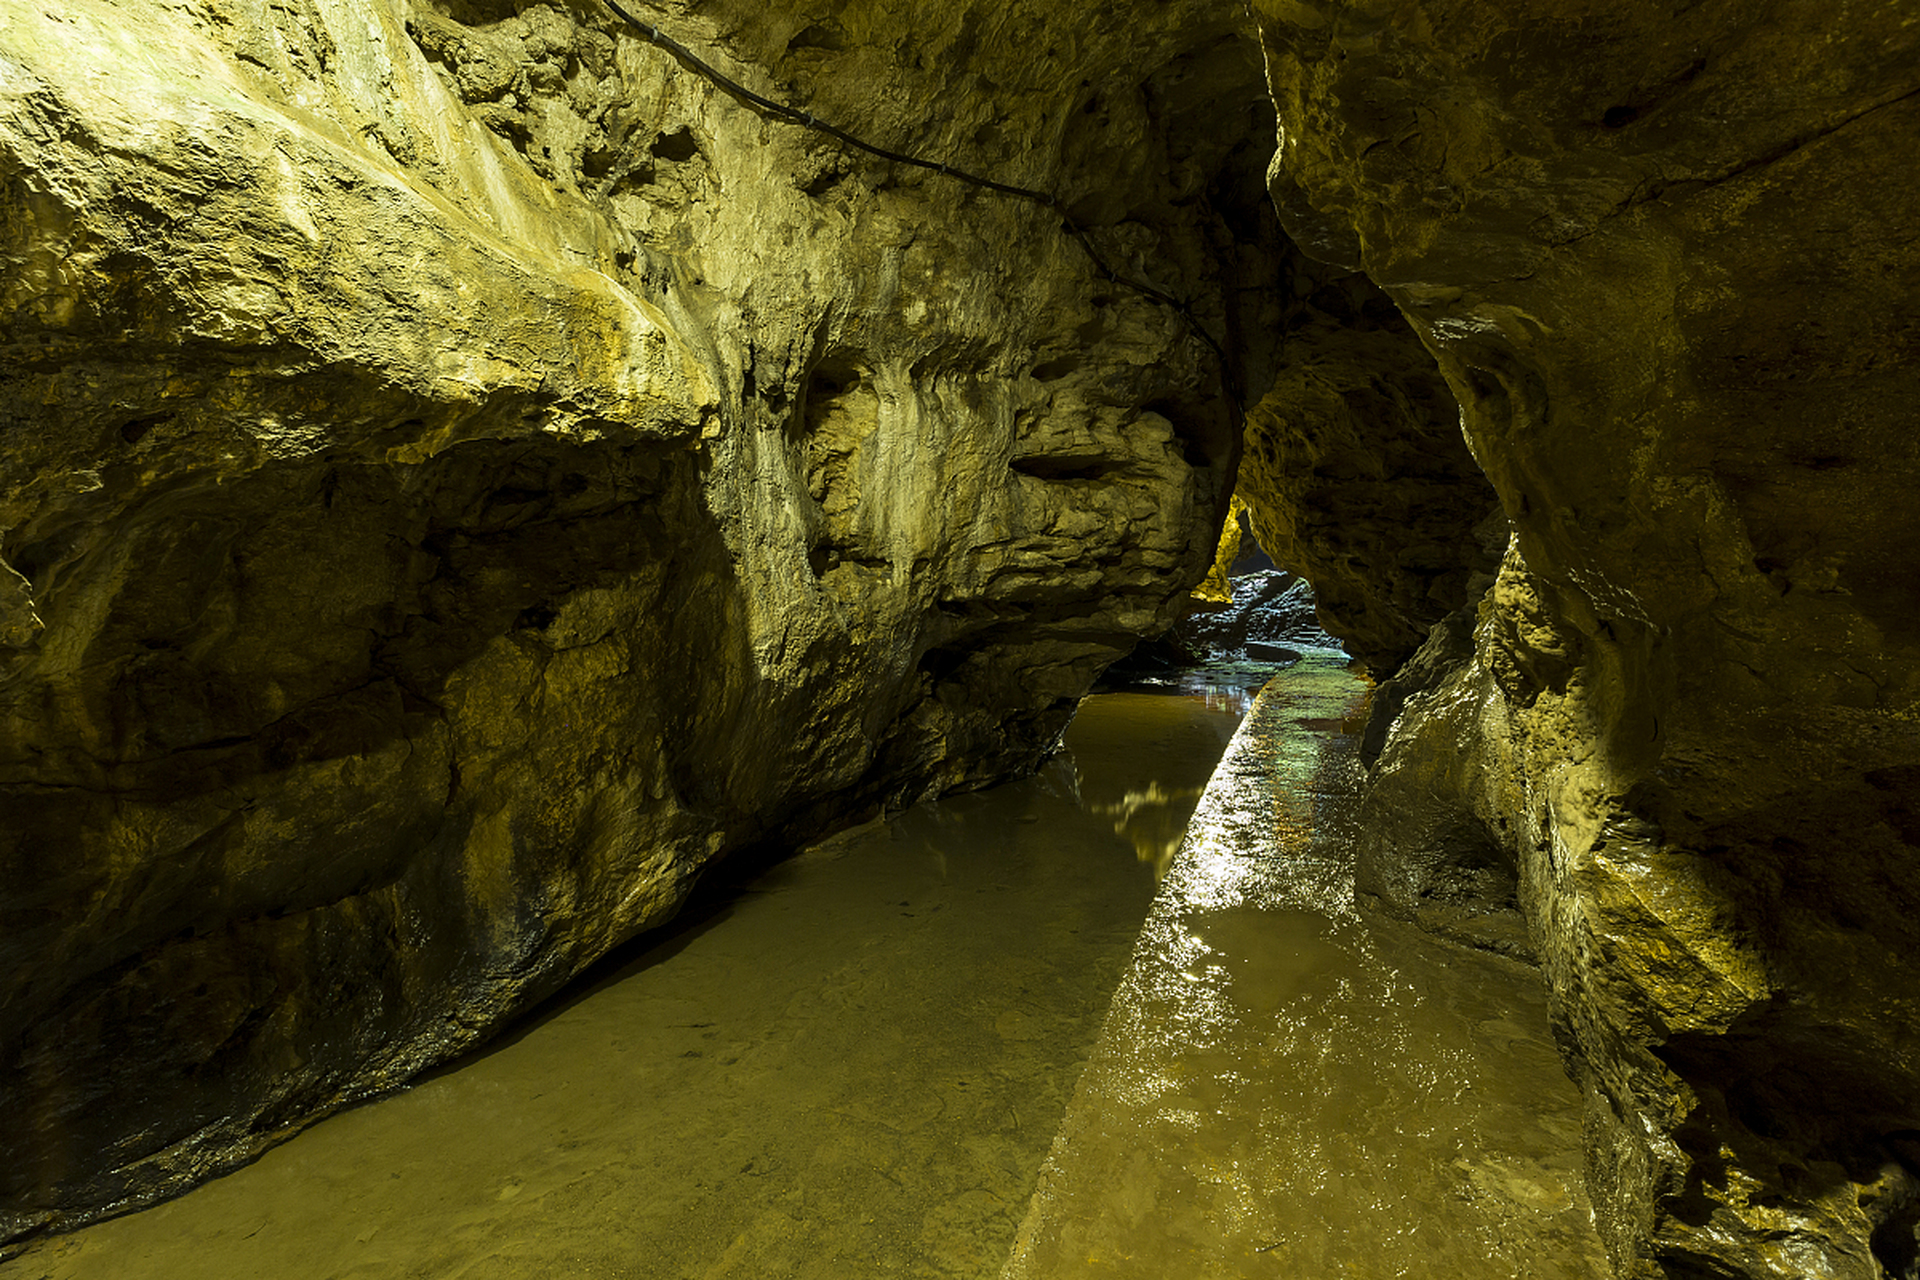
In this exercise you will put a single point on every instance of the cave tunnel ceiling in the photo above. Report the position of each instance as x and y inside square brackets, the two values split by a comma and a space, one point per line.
[466, 470]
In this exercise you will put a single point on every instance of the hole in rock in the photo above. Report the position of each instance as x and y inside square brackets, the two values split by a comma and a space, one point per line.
[1894, 1243]
[831, 378]
[1197, 448]
[824, 182]
[942, 661]
[821, 35]
[135, 429]
[1056, 468]
[675, 147]
[36, 559]
[536, 618]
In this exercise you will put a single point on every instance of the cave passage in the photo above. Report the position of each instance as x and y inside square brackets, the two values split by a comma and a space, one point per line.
[856, 1064]
[852, 1067]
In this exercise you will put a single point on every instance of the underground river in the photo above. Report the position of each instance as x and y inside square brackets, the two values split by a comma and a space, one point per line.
[867, 1061]
[850, 1066]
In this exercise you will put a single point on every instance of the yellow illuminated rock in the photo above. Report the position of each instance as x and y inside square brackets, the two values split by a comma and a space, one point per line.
[463, 470]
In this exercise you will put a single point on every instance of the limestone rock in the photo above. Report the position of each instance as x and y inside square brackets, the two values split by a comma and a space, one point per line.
[1432, 845]
[1217, 587]
[1271, 616]
[461, 472]
[1355, 469]
[1665, 258]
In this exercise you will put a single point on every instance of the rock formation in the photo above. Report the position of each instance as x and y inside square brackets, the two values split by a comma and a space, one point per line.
[463, 472]
[1355, 471]
[1665, 258]
[1271, 617]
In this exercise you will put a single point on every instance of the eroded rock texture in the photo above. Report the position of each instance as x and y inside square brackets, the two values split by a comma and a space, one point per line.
[1665, 256]
[463, 472]
[1355, 469]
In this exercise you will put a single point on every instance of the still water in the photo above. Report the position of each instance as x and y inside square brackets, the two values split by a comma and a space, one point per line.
[852, 1067]
[866, 1062]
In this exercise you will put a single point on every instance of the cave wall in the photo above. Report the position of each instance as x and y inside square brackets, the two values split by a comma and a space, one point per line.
[461, 473]
[1354, 469]
[1665, 257]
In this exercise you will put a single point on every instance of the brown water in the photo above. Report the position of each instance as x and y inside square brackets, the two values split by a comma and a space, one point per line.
[854, 1069]
[1288, 1089]
[857, 1066]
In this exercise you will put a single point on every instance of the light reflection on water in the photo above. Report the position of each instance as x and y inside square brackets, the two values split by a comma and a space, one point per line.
[1153, 819]
[1227, 685]
[853, 1069]
[1286, 1088]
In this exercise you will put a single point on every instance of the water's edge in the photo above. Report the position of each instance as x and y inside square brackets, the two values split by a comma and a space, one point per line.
[853, 1068]
[1286, 1088]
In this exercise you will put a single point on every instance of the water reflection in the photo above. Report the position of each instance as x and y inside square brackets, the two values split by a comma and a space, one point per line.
[852, 1069]
[1153, 818]
[1286, 1088]
[1147, 797]
[1226, 686]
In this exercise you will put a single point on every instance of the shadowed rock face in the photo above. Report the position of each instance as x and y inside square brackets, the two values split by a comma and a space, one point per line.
[1355, 469]
[461, 473]
[1665, 258]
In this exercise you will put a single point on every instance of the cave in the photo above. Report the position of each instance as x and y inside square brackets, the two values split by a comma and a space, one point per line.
[470, 469]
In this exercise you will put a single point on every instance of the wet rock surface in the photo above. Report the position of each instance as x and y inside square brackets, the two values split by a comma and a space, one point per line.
[848, 1064]
[1270, 618]
[461, 473]
[1408, 1115]
[1664, 257]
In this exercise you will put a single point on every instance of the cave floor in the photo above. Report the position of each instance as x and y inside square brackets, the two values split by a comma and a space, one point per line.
[1286, 1087]
[851, 1068]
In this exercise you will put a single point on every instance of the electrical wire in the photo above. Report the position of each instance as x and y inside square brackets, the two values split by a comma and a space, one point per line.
[806, 119]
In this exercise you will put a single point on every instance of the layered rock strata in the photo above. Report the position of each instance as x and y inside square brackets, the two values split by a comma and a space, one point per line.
[461, 472]
[1665, 258]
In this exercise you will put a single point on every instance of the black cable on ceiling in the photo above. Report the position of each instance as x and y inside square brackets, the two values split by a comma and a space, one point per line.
[807, 120]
